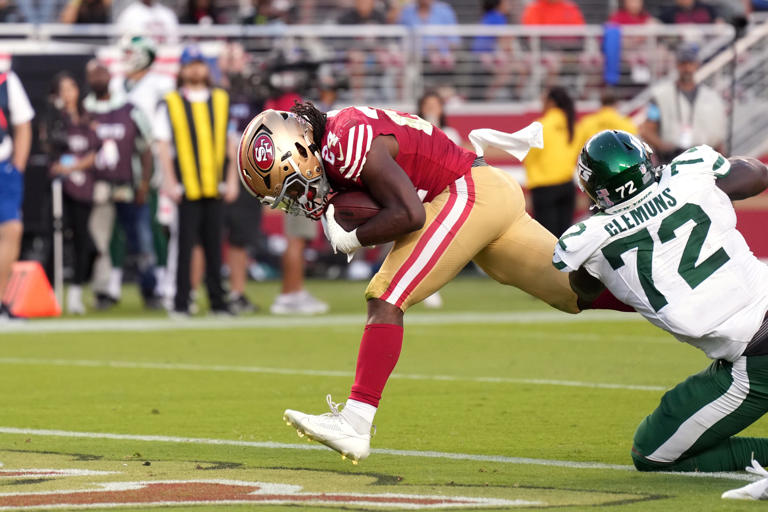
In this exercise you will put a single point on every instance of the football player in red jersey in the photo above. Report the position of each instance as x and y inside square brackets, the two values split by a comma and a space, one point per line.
[441, 205]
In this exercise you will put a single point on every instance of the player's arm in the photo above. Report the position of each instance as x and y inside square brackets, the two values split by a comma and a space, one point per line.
[586, 286]
[402, 211]
[747, 177]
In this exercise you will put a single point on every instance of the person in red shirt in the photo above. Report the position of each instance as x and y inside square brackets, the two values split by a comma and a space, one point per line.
[630, 12]
[634, 48]
[552, 12]
[559, 52]
[441, 205]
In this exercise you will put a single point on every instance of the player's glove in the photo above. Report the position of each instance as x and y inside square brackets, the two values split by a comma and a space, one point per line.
[341, 240]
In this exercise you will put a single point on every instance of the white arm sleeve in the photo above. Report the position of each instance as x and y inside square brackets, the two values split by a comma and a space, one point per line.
[18, 102]
[162, 127]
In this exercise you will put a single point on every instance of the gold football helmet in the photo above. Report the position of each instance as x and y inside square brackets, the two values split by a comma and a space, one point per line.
[279, 163]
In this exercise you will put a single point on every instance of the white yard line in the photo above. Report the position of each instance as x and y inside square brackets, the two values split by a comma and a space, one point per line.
[87, 363]
[276, 322]
[501, 459]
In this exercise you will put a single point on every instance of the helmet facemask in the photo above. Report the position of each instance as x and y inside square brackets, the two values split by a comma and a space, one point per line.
[299, 196]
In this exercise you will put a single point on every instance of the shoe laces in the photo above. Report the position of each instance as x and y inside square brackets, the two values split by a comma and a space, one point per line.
[333, 406]
[757, 469]
[335, 411]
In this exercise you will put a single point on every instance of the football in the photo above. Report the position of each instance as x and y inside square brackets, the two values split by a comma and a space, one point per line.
[351, 209]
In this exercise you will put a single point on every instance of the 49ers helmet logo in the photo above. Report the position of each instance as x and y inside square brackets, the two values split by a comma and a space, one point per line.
[264, 152]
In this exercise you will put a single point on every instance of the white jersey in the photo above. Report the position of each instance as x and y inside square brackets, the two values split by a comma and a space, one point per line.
[675, 256]
[147, 93]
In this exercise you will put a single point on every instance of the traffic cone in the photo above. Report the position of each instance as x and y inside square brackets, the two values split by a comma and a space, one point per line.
[29, 293]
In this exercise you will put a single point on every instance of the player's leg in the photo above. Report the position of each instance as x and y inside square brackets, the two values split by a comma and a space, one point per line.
[189, 219]
[242, 220]
[101, 225]
[294, 298]
[522, 257]
[459, 223]
[10, 243]
[136, 223]
[11, 227]
[211, 241]
[692, 428]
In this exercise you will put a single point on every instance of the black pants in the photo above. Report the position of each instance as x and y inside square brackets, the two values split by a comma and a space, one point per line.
[200, 221]
[553, 206]
[77, 216]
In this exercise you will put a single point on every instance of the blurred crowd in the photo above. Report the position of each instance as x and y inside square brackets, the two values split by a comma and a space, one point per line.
[356, 12]
[147, 165]
[500, 68]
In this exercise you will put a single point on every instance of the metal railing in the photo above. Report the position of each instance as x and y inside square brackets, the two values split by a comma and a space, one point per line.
[388, 64]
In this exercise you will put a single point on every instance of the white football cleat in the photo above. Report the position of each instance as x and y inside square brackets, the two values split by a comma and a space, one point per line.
[754, 491]
[343, 431]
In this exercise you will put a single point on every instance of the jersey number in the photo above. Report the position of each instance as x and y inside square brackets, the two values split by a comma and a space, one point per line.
[629, 187]
[693, 274]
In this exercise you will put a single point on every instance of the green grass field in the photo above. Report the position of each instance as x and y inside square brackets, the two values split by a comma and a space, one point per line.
[495, 396]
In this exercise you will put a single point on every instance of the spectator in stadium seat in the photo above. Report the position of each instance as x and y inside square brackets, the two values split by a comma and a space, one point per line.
[689, 11]
[86, 11]
[16, 115]
[683, 114]
[9, 12]
[634, 49]
[606, 118]
[149, 18]
[37, 11]
[497, 55]
[73, 145]
[364, 12]
[631, 12]
[268, 12]
[552, 12]
[550, 170]
[439, 49]
[366, 51]
[203, 12]
[560, 53]
[432, 108]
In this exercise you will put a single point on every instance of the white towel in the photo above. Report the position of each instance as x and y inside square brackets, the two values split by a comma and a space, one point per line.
[516, 144]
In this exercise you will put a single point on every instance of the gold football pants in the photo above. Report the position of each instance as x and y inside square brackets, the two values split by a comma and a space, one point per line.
[480, 217]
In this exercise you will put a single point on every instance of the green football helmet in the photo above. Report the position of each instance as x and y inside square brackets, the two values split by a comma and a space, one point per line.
[614, 167]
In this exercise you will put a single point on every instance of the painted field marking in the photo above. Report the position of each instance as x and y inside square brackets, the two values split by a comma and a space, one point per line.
[86, 363]
[502, 459]
[232, 492]
[271, 322]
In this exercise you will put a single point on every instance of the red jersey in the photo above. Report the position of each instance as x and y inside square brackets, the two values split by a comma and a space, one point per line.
[427, 156]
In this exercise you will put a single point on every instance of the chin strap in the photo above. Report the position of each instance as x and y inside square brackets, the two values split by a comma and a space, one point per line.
[516, 144]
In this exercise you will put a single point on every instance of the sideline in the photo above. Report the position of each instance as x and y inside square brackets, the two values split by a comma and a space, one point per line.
[272, 322]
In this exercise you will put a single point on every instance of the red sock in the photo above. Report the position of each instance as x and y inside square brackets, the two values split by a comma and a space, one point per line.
[607, 300]
[379, 351]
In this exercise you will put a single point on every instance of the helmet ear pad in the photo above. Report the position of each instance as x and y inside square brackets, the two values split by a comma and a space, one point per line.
[614, 167]
[276, 153]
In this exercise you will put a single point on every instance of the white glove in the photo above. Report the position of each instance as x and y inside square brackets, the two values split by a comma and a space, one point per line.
[341, 240]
